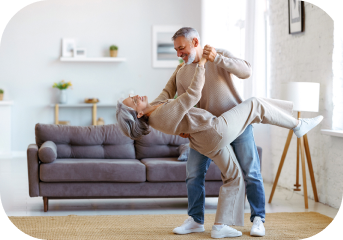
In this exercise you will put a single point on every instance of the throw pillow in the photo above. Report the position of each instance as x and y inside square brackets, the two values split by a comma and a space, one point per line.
[47, 153]
[184, 152]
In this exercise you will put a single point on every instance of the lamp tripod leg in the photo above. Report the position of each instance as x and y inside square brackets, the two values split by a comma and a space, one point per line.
[310, 168]
[288, 141]
[297, 185]
[302, 150]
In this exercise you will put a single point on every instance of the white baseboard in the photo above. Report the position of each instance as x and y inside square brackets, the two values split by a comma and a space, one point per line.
[5, 155]
[18, 154]
[13, 154]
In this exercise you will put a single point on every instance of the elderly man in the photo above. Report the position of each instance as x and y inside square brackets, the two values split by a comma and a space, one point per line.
[218, 96]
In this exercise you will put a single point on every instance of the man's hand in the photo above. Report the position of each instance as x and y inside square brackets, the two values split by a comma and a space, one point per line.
[185, 135]
[209, 53]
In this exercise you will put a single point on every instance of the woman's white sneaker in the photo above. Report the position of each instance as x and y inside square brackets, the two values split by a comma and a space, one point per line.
[306, 125]
[223, 231]
[257, 228]
[189, 226]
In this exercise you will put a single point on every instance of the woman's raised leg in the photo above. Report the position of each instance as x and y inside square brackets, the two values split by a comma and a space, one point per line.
[255, 110]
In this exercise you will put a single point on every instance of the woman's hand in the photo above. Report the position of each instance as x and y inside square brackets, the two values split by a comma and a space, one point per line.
[202, 62]
[185, 135]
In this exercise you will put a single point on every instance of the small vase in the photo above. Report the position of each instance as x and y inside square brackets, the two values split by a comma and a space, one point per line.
[100, 121]
[63, 96]
[113, 53]
[1, 96]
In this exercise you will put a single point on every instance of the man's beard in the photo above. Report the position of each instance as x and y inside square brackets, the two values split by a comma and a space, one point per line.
[191, 56]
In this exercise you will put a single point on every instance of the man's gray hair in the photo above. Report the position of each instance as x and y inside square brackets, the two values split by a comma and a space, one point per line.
[128, 122]
[187, 32]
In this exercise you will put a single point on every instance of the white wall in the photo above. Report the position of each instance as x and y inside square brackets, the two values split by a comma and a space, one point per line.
[304, 57]
[31, 47]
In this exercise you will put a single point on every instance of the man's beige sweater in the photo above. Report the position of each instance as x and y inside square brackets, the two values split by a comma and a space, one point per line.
[219, 93]
[178, 115]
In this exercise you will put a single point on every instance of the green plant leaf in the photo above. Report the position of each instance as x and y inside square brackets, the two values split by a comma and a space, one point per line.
[113, 47]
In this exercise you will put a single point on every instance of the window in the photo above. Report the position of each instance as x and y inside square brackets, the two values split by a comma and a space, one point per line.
[337, 81]
[239, 27]
[223, 26]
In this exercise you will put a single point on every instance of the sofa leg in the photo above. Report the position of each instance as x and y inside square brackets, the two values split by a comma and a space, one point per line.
[46, 204]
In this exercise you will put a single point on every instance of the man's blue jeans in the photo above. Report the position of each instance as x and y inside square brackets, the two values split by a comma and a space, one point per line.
[246, 152]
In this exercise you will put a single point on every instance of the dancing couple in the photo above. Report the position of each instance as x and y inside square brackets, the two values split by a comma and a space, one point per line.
[219, 129]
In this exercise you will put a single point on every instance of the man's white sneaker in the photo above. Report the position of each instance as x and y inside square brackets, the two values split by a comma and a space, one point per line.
[222, 231]
[306, 125]
[257, 229]
[189, 226]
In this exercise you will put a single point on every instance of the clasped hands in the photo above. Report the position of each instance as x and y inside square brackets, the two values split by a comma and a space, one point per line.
[209, 53]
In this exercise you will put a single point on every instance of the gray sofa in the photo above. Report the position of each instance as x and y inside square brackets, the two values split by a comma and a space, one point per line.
[71, 162]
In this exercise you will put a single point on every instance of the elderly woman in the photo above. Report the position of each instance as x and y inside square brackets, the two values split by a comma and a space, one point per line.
[211, 136]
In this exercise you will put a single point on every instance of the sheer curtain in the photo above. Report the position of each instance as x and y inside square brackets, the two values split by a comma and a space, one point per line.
[223, 26]
[256, 48]
[239, 27]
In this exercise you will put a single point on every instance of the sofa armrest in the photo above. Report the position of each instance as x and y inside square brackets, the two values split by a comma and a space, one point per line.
[33, 170]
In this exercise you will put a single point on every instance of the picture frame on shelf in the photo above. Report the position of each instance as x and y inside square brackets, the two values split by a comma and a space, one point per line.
[68, 47]
[80, 53]
[296, 16]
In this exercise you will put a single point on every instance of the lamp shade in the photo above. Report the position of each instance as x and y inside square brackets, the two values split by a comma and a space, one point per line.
[304, 95]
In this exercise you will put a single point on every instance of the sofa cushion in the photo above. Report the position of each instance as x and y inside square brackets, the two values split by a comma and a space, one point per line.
[172, 170]
[158, 145]
[165, 170]
[86, 142]
[93, 170]
[184, 150]
[47, 152]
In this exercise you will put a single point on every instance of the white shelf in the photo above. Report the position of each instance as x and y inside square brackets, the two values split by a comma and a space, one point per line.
[88, 59]
[335, 133]
[6, 103]
[77, 105]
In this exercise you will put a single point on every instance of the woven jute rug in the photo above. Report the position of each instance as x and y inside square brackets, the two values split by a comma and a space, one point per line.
[278, 226]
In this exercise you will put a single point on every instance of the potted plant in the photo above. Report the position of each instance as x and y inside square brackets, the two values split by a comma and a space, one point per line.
[113, 50]
[1, 94]
[62, 86]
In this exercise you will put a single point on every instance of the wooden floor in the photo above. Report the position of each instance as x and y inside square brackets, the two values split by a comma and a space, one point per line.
[16, 201]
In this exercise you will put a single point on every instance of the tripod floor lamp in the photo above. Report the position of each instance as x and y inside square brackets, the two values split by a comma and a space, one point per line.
[305, 97]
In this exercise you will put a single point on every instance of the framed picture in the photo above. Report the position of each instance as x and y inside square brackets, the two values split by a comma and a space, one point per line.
[68, 46]
[163, 52]
[296, 16]
[80, 53]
